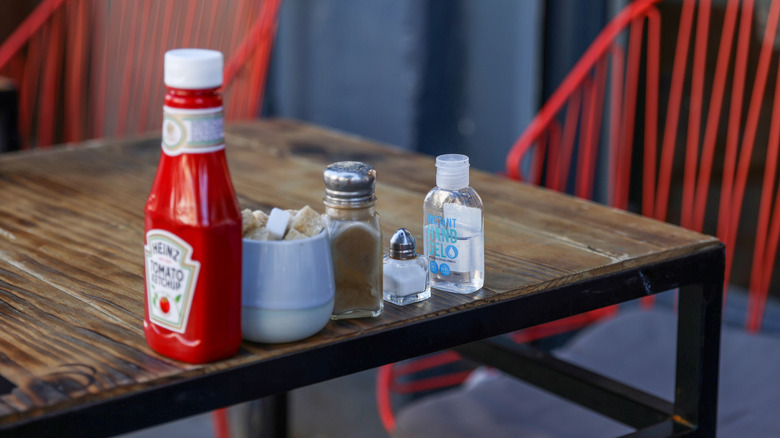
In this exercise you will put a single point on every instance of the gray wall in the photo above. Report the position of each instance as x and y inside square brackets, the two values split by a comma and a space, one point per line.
[348, 64]
[434, 76]
[503, 76]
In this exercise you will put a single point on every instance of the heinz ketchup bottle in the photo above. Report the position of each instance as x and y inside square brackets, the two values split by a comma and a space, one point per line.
[193, 224]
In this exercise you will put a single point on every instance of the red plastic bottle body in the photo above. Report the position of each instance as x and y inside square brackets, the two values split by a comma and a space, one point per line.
[193, 237]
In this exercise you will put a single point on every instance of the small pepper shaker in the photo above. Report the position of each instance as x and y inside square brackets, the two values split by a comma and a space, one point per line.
[405, 273]
[355, 239]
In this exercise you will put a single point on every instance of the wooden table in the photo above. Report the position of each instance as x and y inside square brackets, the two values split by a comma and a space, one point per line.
[73, 359]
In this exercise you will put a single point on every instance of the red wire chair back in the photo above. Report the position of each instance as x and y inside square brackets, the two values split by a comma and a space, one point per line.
[683, 128]
[93, 68]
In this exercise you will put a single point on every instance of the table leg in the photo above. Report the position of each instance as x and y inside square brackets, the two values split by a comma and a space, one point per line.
[700, 309]
[262, 418]
[279, 415]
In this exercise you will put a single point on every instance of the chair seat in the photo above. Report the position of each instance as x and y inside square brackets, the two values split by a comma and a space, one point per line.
[636, 347]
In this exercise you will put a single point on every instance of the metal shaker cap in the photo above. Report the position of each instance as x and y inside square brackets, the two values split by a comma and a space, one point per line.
[349, 182]
[402, 245]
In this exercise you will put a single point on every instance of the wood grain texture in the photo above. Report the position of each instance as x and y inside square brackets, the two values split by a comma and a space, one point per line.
[71, 260]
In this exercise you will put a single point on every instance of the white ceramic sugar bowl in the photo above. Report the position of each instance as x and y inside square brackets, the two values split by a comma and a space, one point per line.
[287, 288]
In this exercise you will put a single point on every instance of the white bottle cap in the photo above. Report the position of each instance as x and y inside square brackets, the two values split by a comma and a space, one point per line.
[452, 171]
[193, 69]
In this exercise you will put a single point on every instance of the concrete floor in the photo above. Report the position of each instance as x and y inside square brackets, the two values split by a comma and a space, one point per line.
[339, 408]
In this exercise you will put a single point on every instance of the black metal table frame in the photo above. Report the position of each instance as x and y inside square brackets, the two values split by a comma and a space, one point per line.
[692, 413]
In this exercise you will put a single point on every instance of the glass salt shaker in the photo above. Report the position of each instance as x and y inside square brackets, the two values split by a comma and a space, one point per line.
[355, 239]
[405, 272]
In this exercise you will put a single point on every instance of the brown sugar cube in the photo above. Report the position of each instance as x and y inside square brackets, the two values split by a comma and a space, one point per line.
[307, 222]
[261, 217]
[248, 222]
[293, 234]
[259, 234]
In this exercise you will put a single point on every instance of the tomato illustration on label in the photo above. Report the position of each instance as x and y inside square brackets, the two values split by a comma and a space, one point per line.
[165, 306]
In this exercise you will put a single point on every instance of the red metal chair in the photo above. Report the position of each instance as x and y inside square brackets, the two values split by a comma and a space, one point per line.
[93, 68]
[689, 160]
[671, 116]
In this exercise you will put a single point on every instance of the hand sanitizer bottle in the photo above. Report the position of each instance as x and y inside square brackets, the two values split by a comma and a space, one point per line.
[453, 234]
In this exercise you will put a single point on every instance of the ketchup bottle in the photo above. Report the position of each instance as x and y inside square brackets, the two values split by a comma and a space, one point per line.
[192, 223]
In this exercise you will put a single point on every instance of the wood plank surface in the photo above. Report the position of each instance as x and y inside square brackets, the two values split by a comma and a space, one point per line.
[71, 260]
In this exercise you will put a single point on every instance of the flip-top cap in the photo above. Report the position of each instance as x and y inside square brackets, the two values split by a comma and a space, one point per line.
[193, 69]
[452, 171]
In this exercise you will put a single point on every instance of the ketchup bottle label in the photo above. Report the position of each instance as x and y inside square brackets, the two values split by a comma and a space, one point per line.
[192, 131]
[171, 277]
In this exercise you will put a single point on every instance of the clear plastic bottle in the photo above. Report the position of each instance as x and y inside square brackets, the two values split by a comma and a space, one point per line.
[453, 233]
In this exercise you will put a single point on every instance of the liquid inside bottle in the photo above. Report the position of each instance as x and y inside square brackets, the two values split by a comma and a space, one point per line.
[453, 224]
